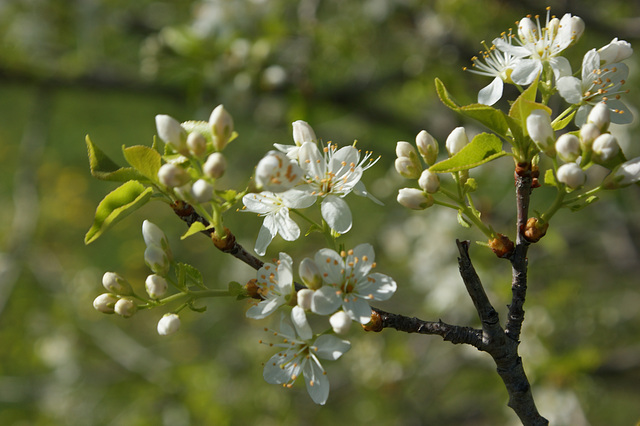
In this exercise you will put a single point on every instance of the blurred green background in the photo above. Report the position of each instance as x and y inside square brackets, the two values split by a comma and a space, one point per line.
[354, 70]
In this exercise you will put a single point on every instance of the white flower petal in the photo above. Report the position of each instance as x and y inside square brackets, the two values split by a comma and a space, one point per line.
[377, 287]
[525, 71]
[311, 161]
[297, 199]
[560, 66]
[336, 212]
[357, 309]
[570, 88]
[492, 93]
[331, 347]
[299, 319]
[262, 203]
[316, 381]
[362, 259]
[330, 264]
[286, 227]
[620, 113]
[265, 236]
[279, 370]
[325, 301]
[263, 309]
[517, 51]
[360, 190]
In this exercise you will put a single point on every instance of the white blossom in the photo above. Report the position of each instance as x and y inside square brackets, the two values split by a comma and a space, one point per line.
[340, 322]
[615, 51]
[598, 84]
[571, 175]
[624, 175]
[301, 355]
[275, 286]
[349, 283]
[275, 209]
[276, 172]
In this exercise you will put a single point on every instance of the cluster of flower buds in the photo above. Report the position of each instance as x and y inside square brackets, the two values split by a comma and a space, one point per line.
[198, 161]
[409, 166]
[119, 297]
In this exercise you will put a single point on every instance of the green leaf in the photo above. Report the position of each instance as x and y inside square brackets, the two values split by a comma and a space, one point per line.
[550, 178]
[144, 159]
[103, 168]
[192, 306]
[229, 195]
[491, 117]
[189, 275]
[194, 229]
[236, 289]
[581, 205]
[524, 104]
[561, 124]
[470, 185]
[117, 205]
[483, 148]
[462, 220]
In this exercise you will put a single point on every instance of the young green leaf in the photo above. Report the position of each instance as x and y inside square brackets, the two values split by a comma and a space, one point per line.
[103, 168]
[194, 229]
[145, 160]
[483, 148]
[117, 205]
[189, 275]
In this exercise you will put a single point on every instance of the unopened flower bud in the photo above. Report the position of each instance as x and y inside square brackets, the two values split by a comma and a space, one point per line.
[302, 132]
[202, 191]
[568, 147]
[408, 168]
[153, 235]
[172, 176]
[427, 146]
[310, 274]
[624, 175]
[405, 149]
[215, 165]
[340, 322]
[571, 175]
[171, 132]
[606, 147]
[429, 181]
[156, 286]
[540, 130]
[615, 51]
[414, 199]
[600, 116]
[276, 172]
[533, 230]
[456, 140]
[115, 284]
[105, 303]
[304, 298]
[157, 260]
[502, 246]
[221, 124]
[125, 307]
[168, 324]
[588, 133]
[196, 143]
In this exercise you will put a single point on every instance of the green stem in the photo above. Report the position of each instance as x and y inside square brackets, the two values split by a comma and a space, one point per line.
[470, 212]
[555, 206]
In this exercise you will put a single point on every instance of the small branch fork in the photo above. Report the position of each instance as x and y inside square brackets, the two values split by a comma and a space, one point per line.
[501, 344]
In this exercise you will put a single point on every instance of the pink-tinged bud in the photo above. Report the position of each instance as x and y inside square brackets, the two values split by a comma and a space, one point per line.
[215, 166]
[105, 303]
[168, 324]
[427, 146]
[414, 199]
[276, 172]
[202, 191]
[153, 235]
[540, 130]
[172, 176]
[571, 175]
[171, 132]
[125, 307]
[588, 133]
[157, 260]
[456, 140]
[221, 124]
[310, 274]
[616, 51]
[340, 322]
[156, 286]
[304, 298]
[429, 181]
[115, 284]
[600, 116]
[196, 143]
[568, 147]
[302, 132]
[407, 168]
[606, 147]
[624, 175]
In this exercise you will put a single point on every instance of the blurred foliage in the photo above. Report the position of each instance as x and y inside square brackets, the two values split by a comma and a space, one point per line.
[352, 69]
